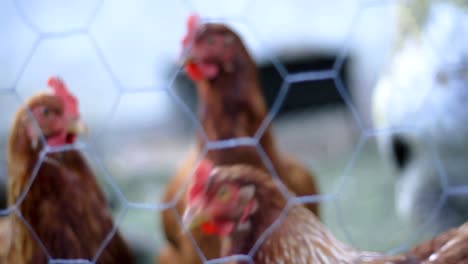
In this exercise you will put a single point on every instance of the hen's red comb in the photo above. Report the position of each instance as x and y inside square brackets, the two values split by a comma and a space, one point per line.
[193, 22]
[61, 91]
[200, 177]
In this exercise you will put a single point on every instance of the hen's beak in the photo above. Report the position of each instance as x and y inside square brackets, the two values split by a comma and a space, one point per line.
[77, 127]
[193, 217]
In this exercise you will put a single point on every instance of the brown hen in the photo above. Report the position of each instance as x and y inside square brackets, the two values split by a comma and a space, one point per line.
[64, 207]
[240, 203]
[231, 105]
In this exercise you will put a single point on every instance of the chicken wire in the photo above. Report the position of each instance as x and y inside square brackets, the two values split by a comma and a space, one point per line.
[366, 133]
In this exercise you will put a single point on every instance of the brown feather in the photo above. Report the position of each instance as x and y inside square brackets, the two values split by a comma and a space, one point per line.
[64, 206]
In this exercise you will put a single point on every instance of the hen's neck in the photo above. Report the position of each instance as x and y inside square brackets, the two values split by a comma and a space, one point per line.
[21, 161]
[232, 106]
[270, 206]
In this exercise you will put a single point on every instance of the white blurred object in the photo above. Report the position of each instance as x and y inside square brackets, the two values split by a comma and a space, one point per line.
[425, 89]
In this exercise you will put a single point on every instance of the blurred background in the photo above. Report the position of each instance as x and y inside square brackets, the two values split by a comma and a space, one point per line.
[121, 60]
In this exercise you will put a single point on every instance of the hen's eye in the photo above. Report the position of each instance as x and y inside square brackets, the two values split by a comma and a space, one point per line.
[45, 111]
[223, 193]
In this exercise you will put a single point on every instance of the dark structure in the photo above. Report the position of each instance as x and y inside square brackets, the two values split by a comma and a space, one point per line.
[303, 95]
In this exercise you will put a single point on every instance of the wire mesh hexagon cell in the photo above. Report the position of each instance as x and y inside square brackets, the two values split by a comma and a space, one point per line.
[35, 225]
[42, 16]
[135, 40]
[277, 187]
[121, 143]
[309, 32]
[397, 202]
[122, 61]
[331, 141]
[71, 55]
[16, 45]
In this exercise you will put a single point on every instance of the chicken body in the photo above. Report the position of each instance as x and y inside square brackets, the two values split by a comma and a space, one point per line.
[66, 212]
[293, 236]
[231, 106]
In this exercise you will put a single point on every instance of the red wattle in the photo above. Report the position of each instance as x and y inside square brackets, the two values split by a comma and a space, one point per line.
[217, 228]
[202, 70]
[193, 71]
[208, 228]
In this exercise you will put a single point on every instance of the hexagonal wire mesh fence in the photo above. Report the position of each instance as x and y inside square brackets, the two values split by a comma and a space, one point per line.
[88, 32]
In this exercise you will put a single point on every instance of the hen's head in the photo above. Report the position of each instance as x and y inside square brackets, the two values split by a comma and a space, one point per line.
[222, 200]
[56, 114]
[210, 50]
